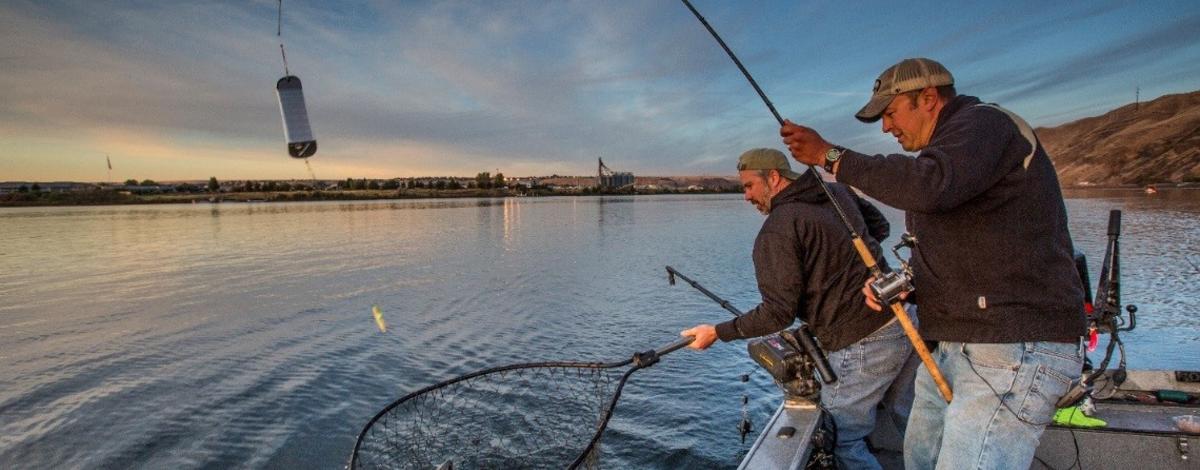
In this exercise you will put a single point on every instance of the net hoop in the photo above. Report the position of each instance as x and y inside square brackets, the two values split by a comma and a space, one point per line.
[496, 370]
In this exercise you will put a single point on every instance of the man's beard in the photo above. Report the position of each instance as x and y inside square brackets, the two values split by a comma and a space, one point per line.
[765, 207]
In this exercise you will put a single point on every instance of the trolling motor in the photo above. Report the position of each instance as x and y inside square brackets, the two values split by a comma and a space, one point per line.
[890, 286]
[793, 360]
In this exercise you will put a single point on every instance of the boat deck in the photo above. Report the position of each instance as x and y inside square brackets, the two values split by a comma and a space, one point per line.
[1140, 433]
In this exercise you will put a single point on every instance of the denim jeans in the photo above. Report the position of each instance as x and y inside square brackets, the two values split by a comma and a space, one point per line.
[877, 368]
[977, 430]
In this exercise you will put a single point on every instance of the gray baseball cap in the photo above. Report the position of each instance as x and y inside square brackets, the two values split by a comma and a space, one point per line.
[908, 75]
[766, 159]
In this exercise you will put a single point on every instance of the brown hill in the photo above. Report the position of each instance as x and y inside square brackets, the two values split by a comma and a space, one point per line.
[1157, 141]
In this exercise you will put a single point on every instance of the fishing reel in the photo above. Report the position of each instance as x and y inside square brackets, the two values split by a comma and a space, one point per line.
[793, 359]
[888, 287]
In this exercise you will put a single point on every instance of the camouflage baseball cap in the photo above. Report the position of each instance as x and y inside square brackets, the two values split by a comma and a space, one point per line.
[908, 75]
[766, 159]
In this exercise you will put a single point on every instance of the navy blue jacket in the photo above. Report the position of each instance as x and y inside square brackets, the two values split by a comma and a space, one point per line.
[993, 262]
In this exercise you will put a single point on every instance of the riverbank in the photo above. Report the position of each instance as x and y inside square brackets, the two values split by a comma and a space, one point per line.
[103, 197]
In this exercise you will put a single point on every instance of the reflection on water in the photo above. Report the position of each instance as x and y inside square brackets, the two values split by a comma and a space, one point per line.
[241, 334]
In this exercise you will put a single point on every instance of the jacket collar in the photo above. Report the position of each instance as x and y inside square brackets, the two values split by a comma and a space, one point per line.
[803, 189]
[954, 106]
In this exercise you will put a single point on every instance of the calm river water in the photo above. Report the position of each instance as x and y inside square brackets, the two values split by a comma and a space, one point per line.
[241, 335]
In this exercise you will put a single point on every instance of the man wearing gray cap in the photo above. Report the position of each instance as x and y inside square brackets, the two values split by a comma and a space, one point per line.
[993, 270]
[807, 268]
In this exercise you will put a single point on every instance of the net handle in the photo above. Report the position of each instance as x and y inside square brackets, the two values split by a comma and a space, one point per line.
[641, 361]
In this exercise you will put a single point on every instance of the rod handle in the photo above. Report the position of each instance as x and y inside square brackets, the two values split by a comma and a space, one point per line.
[922, 351]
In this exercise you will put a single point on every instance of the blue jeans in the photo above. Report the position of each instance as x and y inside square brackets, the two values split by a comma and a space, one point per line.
[877, 368]
[977, 430]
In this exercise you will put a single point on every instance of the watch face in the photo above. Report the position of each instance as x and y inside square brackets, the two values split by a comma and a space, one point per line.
[832, 154]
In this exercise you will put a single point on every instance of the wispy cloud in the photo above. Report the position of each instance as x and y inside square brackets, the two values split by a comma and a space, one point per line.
[184, 90]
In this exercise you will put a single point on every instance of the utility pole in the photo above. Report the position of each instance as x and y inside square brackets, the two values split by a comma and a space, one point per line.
[1137, 98]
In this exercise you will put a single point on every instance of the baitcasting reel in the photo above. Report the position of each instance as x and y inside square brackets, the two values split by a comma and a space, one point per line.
[888, 287]
[791, 357]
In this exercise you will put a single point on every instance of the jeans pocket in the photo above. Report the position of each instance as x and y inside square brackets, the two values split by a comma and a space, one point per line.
[1057, 365]
[1048, 385]
[886, 350]
[994, 356]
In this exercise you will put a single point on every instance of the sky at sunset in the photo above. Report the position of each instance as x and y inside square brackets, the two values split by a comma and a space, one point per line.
[173, 90]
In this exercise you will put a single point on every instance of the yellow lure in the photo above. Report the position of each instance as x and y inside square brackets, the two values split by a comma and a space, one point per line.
[379, 318]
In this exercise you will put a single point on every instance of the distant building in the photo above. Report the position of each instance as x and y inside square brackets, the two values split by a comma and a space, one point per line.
[606, 178]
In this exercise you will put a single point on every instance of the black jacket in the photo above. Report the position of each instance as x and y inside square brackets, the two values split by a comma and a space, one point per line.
[807, 267]
[993, 262]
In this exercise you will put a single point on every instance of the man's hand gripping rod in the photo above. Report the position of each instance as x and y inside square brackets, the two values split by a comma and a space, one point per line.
[868, 259]
[803, 336]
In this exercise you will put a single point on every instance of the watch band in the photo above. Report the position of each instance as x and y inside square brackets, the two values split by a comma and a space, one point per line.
[832, 156]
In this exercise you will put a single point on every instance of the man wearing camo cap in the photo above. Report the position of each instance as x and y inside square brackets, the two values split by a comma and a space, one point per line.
[993, 269]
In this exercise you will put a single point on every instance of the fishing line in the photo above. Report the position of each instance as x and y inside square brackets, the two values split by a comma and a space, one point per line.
[868, 259]
[820, 362]
[310, 173]
[279, 34]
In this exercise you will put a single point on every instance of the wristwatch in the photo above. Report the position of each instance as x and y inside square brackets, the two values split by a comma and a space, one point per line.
[831, 156]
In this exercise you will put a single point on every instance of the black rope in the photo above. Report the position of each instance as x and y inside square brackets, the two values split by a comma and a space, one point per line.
[285, 66]
[279, 34]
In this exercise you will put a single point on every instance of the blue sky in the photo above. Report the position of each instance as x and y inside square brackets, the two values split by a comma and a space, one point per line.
[185, 90]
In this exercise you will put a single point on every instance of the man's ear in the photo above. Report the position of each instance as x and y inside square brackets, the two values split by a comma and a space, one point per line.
[927, 100]
[773, 178]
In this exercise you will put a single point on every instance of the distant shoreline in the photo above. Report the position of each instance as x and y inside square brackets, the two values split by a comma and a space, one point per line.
[108, 198]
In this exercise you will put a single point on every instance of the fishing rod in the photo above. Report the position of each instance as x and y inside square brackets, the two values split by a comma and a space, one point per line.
[789, 356]
[1104, 316]
[1108, 301]
[887, 287]
[802, 337]
[672, 273]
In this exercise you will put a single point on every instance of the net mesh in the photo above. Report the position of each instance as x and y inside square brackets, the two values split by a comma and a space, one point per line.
[537, 416]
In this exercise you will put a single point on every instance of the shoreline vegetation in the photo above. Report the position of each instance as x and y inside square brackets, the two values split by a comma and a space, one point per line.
[97, 197]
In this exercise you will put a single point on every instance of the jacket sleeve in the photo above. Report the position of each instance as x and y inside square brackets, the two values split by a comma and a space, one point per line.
[964, 159]
[780, 280]
[877, 225]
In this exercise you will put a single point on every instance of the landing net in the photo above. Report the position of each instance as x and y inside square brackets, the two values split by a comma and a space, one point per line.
[541, 415]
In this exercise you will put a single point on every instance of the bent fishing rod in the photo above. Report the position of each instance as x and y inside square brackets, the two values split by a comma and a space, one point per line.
[893, 288]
